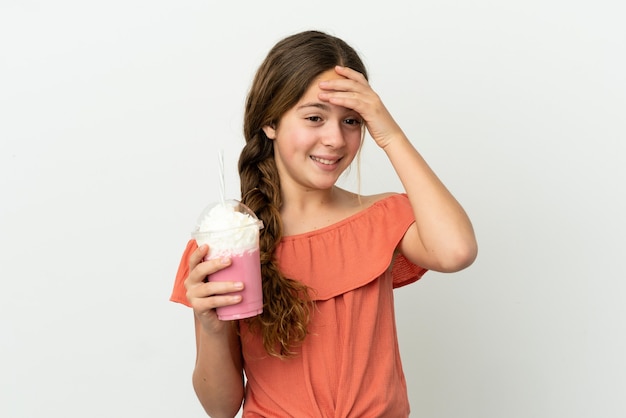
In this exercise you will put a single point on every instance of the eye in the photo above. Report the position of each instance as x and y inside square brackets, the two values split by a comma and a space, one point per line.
[352, 121]
[314, 118]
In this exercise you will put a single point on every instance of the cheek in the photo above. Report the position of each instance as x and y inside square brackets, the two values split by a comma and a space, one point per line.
[355, 140]
[296, 138]
[290, 142]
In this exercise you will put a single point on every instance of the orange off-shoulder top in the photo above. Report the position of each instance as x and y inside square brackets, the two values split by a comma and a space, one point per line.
[349, 365]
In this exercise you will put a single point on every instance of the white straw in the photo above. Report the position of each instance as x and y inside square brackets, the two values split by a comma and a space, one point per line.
[221, 166]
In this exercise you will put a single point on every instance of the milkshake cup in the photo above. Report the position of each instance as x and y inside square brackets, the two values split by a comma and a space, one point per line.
[231, 230]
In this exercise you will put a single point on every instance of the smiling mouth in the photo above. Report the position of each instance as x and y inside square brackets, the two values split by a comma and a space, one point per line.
[325, 161]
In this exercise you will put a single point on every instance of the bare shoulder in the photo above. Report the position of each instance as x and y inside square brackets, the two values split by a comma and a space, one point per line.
[367, 201]
[354, 203]
[348, 203]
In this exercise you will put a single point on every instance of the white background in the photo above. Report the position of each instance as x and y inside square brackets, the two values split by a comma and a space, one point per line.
[110, 117]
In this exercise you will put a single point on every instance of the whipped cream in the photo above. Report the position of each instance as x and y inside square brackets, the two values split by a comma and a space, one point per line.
[227, 231]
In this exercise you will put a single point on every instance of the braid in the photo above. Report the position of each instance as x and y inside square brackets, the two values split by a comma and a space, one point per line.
[281, 80]
[286, 303]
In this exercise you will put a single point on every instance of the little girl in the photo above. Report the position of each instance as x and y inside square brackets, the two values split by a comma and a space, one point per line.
[325, 344]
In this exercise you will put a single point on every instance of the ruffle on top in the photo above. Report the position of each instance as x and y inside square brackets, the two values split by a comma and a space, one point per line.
[319, 260]
[353, 252]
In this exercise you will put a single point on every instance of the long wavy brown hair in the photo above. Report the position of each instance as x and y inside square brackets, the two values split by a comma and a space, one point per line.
[281, 80]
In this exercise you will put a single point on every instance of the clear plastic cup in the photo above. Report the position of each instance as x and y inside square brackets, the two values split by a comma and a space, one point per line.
[233, 232]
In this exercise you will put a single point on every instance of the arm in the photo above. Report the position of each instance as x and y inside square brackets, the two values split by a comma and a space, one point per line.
[218, 373]
[217, 377]
[442, 237]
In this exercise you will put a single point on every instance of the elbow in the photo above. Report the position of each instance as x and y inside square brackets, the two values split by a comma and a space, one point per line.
[222, 411]
[459, 257]
[222, 414]
[218, 403]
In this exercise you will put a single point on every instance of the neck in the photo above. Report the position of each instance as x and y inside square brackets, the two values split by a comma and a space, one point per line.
[307, 201]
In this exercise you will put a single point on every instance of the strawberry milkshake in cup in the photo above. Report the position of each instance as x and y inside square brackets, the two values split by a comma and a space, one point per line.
[231, 230]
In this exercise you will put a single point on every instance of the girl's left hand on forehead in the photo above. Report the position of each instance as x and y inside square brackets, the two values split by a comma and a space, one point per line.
[354, 92]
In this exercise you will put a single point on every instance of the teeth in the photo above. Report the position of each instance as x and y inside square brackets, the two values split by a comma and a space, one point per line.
[323, 161]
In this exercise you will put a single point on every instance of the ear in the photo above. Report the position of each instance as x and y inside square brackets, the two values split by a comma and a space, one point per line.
[270, 131]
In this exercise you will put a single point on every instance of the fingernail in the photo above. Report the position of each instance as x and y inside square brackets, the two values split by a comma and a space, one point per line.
[225, 261]
[238, 285]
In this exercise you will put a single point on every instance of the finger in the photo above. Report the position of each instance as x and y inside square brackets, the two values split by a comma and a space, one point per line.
[341, 84]
[197, 256]
[213, 302]
[214, 295]
[350, 73]
[216, 288]
[204, 269]
[347, 99]
[206, 307]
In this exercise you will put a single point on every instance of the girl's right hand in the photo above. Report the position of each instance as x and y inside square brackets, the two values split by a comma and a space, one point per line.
[203, 296]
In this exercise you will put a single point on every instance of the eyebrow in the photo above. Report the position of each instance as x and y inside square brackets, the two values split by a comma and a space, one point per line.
[318, 105]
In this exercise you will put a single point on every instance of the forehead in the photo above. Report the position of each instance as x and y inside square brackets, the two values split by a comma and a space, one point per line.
[313, 90]
[327, 75]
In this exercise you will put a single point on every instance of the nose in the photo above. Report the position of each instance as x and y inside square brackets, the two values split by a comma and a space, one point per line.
[333, 135]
